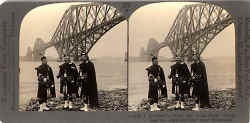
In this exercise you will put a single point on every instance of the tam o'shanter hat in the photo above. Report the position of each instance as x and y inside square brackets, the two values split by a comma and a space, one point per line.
[43, 57]
[154, 57]
[178, 58]
[84, 54]
[66, 57]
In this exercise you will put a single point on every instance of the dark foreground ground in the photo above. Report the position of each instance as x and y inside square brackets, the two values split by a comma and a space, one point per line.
[220, 100]
[115, 100]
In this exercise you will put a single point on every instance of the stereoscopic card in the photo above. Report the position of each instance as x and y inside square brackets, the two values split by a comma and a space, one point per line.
[167, 61]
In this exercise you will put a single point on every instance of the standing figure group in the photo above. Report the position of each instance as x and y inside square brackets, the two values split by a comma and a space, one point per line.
[71, 81]
[182, 82]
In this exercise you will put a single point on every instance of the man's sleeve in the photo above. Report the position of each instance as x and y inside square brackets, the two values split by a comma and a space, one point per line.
[75, 71]
[204, 72]
[51, 75]
[37, 71]
[192, 69]
[171, 71]
[162, 75]
[93, 72]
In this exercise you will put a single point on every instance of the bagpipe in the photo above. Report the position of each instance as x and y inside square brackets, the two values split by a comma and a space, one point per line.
[43, 80]
[196, 78]
[82, 79]
[155, 81]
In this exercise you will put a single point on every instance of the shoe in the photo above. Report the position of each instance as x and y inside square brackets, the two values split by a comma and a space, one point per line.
[45, 107]
[177, 105]
[182, 105]
[151, 107]
[66, 104]
[41, 108]
[156, 107]
[70, 105]
[85, 108]
[197, 108]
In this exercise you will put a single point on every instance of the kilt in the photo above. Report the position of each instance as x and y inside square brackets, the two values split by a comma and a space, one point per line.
[178, 83]
[42, 93]
[85, 91]
[197, 88]
[153, 93]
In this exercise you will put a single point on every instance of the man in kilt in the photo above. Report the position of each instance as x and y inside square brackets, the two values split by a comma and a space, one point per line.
[89, 91]
[187, 78]
[68, 75]
[157, 84]
[179, 81]
[46, 84]
[200, 84]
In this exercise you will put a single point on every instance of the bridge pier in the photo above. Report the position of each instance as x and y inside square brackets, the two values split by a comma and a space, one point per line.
[37, 56]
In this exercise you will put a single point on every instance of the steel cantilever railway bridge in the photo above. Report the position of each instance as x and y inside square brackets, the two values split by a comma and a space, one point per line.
[83, 25]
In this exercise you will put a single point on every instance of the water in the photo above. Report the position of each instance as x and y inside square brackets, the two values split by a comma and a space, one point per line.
[220, 73]
[110, 74]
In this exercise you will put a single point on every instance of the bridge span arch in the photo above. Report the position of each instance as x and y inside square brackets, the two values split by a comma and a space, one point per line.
[80, 29]
[194, 28]
[83, 25]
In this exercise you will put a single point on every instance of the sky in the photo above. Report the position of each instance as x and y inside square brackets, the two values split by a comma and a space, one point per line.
[150, 21]
[155, 21]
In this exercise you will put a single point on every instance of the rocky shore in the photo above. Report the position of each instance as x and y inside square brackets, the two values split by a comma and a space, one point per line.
[114, 100]
[220, 100]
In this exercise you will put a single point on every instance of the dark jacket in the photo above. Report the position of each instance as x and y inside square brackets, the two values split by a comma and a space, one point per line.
[179, 73]
[156, 71]
[70, 70]
[201, 85]
[45, 70]
[89, 88]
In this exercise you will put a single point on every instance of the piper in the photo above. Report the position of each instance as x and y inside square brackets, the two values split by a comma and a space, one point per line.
[89, 92]
[157, 84]
[200, 84]
[177, 74]
[45, 83]
[68, 74]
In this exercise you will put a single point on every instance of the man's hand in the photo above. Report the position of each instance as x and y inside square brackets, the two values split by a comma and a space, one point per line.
[155, 80]
[169, 76]
[193, 77]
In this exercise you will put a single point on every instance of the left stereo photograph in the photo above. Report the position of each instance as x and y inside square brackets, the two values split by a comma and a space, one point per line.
[65, 59]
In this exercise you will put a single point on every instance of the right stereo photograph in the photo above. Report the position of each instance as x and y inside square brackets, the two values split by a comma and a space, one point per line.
[181, 57]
